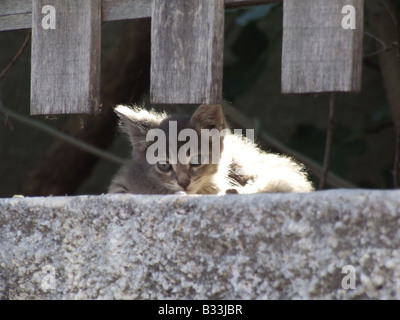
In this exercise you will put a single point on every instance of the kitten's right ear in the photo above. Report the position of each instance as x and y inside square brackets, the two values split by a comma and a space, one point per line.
[208, 117]
[137, 122]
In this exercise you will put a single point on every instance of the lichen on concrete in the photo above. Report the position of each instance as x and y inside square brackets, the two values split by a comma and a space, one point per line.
[263, 246]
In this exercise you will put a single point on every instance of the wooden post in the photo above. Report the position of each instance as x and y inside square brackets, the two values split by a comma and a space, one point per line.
[65, 60]
[318, 54]
[187, 51]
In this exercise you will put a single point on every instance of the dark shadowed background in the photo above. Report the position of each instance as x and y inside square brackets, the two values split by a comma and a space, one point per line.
[34, 163]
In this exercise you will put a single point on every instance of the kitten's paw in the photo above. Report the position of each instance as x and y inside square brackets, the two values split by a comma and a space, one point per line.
[231, 191]
[181, 193]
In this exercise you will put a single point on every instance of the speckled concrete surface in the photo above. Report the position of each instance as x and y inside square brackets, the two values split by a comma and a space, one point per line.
[266, 246]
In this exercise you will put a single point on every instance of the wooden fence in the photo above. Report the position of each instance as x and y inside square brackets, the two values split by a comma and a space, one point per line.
[321, 51]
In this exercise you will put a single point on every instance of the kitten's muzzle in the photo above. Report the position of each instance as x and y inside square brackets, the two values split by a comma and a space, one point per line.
[184, 183]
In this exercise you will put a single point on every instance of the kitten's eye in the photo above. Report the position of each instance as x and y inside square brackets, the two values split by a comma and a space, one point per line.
[164, 166]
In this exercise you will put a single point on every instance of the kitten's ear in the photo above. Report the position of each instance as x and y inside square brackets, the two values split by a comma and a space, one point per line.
[137, 122]
[208, 116]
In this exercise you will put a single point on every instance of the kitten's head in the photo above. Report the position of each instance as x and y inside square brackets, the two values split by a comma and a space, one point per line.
[184, 163]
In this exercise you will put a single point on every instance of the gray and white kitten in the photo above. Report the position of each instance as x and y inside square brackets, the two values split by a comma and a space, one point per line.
[242, 167]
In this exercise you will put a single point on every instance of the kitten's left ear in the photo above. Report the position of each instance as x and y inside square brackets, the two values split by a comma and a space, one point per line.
[137, 122]
[208, 116]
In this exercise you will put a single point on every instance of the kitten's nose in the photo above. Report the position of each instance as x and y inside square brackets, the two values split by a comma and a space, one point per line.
[184, 183]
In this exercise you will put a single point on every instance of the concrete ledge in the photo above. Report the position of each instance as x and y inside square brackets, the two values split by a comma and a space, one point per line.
[265, 246]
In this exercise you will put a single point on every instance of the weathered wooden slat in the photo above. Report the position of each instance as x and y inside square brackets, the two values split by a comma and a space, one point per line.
[16, 14]
[318, 55]
[16, 21]
[126, 9]
[187, 51]
[66, 60]
[8, 7]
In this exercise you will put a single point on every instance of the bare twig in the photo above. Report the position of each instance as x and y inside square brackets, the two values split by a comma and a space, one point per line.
[384, 48]
[20, 51]
[264, 137]
[329, 140]
[59, 135]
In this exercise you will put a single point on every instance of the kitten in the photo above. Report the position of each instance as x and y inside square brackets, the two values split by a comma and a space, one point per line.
[241, 167]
